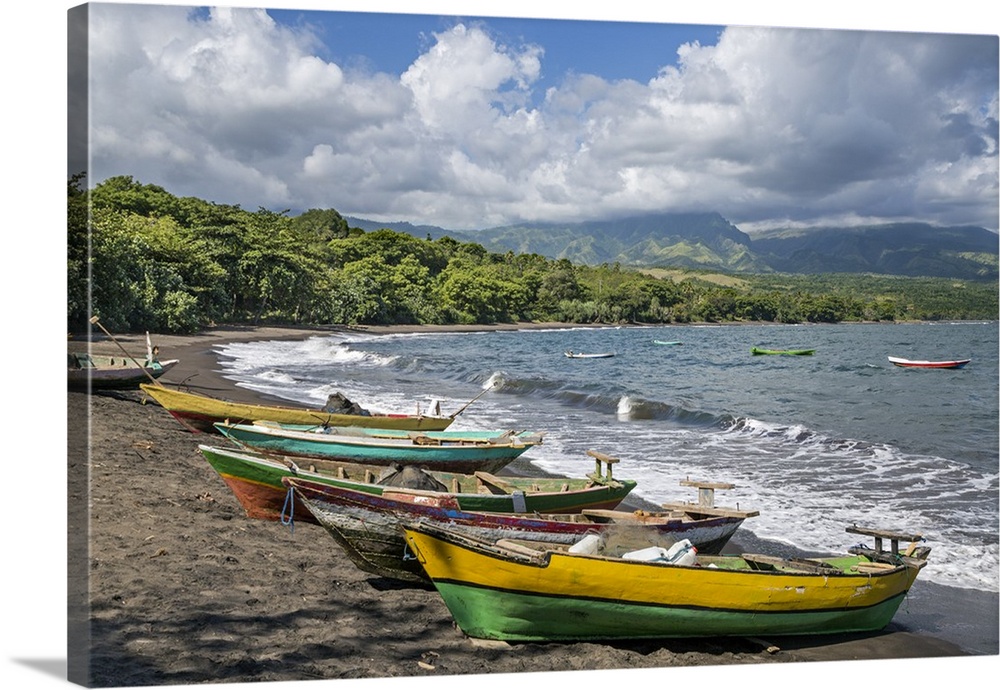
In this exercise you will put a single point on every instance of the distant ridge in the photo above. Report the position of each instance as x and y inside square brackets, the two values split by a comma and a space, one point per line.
[707, 241]
[421, 231]
[910, 249]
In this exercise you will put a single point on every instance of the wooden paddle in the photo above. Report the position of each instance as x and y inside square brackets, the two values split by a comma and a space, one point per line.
[97, 321]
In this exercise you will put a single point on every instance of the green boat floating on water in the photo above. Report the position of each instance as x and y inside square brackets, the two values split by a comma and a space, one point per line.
[764, 351]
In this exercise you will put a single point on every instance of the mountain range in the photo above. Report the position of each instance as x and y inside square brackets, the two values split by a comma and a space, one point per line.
[707, 241]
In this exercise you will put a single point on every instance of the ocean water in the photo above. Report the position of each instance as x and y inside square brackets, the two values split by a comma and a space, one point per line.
[815, 443]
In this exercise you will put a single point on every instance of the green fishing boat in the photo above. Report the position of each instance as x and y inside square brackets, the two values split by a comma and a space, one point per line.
[765, 351]
[448, 451]
[255, 480]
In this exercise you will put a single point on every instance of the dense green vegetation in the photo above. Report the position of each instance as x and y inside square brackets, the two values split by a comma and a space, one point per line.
[144, 259]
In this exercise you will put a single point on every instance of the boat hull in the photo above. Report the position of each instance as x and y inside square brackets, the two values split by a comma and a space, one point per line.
[115, 376]
[369, 527]
[200, 413]
[764, 351]
[256, 481]
[573, 597]
[443, 451]
[923, 364]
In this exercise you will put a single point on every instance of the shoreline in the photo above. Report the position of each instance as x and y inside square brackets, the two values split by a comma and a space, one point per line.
[284, 589]
[198, 368]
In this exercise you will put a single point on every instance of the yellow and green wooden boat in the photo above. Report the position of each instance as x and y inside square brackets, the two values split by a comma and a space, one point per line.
[201, 412]
[506, 591]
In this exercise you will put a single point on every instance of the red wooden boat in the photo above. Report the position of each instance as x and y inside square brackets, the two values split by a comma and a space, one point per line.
[924, 364]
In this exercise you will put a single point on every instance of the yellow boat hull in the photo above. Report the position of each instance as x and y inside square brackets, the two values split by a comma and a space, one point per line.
[495, 593]
[200, 413]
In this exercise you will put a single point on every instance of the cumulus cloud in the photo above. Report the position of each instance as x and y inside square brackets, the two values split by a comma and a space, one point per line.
[769, 126]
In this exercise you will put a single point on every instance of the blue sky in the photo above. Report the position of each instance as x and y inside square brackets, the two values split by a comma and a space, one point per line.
[613, 49]
[477, 120]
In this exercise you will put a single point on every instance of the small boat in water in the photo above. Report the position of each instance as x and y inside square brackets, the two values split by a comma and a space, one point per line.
[925, 364]
[765, 351]
[666, 342]
[510, 590]
[584, 355]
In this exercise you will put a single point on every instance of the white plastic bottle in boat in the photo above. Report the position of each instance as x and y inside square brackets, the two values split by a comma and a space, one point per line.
[650, 553]
[682, 553]
[590, 544]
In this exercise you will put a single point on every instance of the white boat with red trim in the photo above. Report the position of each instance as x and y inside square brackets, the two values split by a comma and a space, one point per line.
[925, 364]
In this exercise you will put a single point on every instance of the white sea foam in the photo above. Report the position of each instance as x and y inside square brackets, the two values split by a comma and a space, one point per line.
[316, 351]
[807, 498]
[275, 376]
[496, 379]
[625, 407]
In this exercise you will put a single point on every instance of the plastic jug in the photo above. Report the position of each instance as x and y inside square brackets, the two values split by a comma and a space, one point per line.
[649, 554]
[588, 545]
[682, 553]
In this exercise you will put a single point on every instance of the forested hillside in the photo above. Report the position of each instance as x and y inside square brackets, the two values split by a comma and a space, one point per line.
[154, 261]
[707, 241]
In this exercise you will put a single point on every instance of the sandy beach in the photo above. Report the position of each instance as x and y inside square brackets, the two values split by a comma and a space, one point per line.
[181, 588]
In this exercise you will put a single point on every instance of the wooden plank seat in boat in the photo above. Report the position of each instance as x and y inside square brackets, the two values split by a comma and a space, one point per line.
[520, 549]
[331, 467]
[493, 484]
[504, 439]
[893, 555]
[761, 562]
[610, 515]
[697, 510]
[423, 439]
[705, 507]
[893, 537]
[706, 490]
[608, 461]
[604, 515]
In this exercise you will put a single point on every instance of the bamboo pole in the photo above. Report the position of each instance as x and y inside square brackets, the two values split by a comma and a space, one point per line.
[97, 321]
[462, 408]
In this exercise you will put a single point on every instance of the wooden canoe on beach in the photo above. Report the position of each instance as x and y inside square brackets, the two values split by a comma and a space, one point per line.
[99, 372]
[200, 412]
[255, 480]
[449, 451]
[369, 527]
[506, 590]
